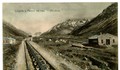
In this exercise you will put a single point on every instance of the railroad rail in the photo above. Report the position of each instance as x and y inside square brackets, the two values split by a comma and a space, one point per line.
[38, 62]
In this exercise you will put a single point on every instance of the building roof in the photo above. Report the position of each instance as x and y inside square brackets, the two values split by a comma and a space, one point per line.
[7, 38]
[96, 36]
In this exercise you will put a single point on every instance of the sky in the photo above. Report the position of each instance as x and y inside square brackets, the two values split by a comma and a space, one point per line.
[41, 17]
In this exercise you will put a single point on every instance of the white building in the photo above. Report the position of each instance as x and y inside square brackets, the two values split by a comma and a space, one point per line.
[9, 40]
[103, 40]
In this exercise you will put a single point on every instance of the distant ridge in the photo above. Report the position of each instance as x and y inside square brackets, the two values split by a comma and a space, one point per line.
[10, 31]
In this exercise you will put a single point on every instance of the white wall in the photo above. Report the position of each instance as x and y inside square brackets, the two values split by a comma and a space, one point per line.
[107, 36]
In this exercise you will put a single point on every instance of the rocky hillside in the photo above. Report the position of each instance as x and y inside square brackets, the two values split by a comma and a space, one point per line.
[66, 27]
[11, 31]
[105, 22]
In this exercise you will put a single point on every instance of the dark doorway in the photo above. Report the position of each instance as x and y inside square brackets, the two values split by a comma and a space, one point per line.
[107, 41]
[93, 41]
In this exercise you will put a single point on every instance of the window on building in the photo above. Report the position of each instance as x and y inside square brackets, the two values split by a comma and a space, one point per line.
[113, 40]
[107, 41]
[101, 41]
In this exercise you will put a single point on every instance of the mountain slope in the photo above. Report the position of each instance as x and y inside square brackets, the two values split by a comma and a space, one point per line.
[66, 27]
[105, 22]
[11, 31]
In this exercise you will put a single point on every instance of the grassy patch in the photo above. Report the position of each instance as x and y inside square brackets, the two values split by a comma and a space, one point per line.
[9, 56]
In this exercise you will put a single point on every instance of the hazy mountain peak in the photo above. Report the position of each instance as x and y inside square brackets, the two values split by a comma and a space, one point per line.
[66, 27]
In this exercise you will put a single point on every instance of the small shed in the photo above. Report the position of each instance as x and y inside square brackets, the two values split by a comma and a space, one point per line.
[103, 39]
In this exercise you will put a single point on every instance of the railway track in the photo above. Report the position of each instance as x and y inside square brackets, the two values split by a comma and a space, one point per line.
[38, 62]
